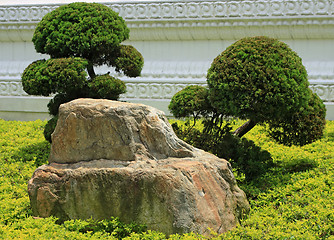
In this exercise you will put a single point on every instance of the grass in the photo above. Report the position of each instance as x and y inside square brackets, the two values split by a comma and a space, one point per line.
[295, 200]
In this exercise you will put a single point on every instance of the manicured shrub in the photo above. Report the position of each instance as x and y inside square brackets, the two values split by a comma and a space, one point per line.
[129, 61]
[191, 101]
[106, 86]
[31, 78]
[60, 75]
[79, 36]
[87, 30]
[305, 126]
[260, 79]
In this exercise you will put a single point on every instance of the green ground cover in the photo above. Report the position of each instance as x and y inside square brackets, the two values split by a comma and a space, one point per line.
[294, 200]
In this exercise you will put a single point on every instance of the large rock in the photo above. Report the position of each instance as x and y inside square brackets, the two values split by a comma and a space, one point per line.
[119, 159]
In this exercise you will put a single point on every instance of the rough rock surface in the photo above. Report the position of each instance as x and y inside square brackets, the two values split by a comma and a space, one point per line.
[119, 159]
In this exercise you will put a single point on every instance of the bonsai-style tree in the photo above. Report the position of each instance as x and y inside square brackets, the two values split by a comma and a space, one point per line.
[259, 79]
[79, 36]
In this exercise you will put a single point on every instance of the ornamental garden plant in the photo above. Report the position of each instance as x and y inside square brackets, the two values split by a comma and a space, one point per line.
[257, 79]
[261, 80]
[79, 37]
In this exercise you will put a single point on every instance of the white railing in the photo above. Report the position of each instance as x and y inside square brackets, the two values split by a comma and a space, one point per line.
[179, 40]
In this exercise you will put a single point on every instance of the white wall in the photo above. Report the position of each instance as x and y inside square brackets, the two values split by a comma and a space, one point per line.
[178, 40]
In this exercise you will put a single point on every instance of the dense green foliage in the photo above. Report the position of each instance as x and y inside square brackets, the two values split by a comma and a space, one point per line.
[50, 127]
[87, 30]
[106, 86]
[59, 75]
[192, 101]
[258, 78]
[304, 127]
[245, 157]
[79, 36]
[129, 61]
[293, 201]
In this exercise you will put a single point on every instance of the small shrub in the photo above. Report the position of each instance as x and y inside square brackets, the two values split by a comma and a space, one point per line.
[191, 101]
[258, 78]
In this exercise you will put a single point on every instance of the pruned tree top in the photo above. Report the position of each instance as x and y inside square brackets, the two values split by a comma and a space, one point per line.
[258, 78]
[88, 30]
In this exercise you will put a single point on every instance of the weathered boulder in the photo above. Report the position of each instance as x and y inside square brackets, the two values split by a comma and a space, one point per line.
[89, 129]
[119, 159]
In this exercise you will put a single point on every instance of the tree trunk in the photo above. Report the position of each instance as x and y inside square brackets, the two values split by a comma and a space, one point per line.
[245, 128]
[90, 70]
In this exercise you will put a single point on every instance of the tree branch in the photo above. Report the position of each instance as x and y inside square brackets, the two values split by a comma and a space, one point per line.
[245, 128]
[90, 70]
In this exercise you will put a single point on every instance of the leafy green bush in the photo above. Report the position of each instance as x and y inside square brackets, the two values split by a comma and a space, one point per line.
[304, 127]
[191, 101]
[258, 78]
[105, 86]
[129, 61]
[79, 36]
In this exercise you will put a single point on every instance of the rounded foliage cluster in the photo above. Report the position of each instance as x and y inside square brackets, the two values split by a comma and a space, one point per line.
[45, 77]
[129, 61]
[304, 127]
[190, 101]
[106, 86]
[258, 78]
[88, 30]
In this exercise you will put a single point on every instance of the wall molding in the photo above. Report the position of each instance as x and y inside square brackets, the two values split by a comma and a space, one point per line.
[184, 20]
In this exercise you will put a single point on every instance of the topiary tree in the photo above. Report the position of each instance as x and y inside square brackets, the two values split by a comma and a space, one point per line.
[78, 37]
[258, 79]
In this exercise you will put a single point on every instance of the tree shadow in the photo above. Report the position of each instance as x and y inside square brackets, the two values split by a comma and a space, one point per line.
[331, 136]
[279, 175]
[37, 153]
